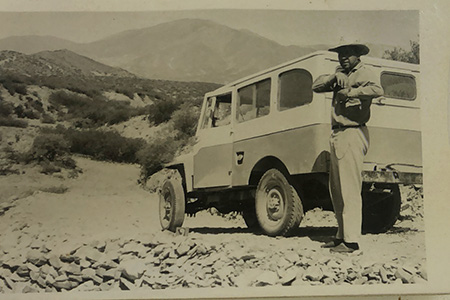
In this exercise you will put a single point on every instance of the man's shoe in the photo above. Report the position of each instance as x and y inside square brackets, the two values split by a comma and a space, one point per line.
[343, 248]
[332, 244]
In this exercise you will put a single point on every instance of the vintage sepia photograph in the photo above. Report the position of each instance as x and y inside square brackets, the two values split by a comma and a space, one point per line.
[183, 150]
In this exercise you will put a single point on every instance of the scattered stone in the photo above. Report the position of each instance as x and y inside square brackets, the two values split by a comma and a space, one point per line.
[55, 262]
[97, 279]
[314, 273]
[182, 249]
[34, 275]
[267, 278]
[402, 274]
[49, 279]
[423, 272]
[61, 278]
[63, 285]
[292, 257]
[76, 278]
[88, 273]
[132, 269]
[289, 276]
[68, 258]
[23, 271]
[383, 274]
[126, 285]
[36, 258]
[418, 280]
[85, 286]
[29, 289]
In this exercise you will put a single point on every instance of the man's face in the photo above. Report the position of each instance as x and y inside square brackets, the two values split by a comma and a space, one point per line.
[348, 60]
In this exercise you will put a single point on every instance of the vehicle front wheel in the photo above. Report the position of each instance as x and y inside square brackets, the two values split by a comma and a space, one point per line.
[381, 206]
[171, 204]
[278, 207]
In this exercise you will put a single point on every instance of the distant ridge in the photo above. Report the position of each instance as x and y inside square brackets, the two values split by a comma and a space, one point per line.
[182, 50]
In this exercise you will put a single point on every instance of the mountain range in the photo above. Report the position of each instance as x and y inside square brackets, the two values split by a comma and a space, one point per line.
[182, 50]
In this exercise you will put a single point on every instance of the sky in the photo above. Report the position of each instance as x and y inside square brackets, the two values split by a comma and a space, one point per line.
[287, 27]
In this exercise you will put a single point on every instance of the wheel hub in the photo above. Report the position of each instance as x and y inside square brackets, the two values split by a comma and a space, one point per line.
[274, 204]
[166, 209]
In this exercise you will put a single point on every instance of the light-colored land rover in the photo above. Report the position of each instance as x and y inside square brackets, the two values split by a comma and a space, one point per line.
[263, 148]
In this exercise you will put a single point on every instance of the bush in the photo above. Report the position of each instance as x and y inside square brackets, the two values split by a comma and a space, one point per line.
[161, 111]
[98, 110]
[104, 145]
[47, 119]
[11, 122]
[185, 120]
[13, 87]
[49, 147]
[155, 154]
[6, 109]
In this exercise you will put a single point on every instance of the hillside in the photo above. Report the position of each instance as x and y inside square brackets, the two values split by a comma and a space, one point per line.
[181, 50]
[55, 63]
[30, 44]
[189, 49]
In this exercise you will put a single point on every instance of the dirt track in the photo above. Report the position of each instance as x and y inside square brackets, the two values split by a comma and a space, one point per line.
[115, 223]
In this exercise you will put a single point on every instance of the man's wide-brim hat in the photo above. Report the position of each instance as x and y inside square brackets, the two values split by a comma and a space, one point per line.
[357, 49]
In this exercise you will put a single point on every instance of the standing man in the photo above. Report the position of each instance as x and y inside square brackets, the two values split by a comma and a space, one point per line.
[353, 86]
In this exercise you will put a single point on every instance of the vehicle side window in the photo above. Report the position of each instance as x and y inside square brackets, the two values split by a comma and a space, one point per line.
[253, 101]
[217, 111]
[222, 111]
[295, 89]
[400, 86]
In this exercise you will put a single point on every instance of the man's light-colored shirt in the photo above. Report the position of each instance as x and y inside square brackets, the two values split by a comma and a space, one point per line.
[364, 86]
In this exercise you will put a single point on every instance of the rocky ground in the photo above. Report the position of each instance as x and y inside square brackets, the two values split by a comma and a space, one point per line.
[100, 232]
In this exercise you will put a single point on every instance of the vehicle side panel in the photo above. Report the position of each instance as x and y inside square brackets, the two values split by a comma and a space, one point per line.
[212, 166]
[298, 148]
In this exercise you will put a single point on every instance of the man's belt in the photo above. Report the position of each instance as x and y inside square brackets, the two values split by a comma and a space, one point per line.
[347, 126]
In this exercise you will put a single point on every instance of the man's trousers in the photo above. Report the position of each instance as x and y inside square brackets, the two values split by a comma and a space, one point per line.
[348, 148]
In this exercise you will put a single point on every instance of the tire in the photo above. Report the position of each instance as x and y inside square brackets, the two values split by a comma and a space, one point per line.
[171, 205]
[278, 207]
[381, 206]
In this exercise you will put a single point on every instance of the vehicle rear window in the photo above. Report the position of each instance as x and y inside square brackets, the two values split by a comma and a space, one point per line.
[295, 89]
[399, 86]
[254, 101]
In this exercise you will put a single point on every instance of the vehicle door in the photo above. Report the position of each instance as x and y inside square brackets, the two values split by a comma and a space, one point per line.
[394, 126]
[213, 158]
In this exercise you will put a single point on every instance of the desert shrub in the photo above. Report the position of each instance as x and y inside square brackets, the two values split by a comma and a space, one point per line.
[104, 145]
[161, 111]
[126, 92]
[6, 109]
[47, 119]
[98, 110]
[30, 113]
[155, 154]
[14, 86]
[50, 151]
[49, 147]
[185, 120]
[11, 122]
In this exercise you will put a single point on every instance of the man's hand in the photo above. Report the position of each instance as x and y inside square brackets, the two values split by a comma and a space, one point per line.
[341, 79]
[342, 94]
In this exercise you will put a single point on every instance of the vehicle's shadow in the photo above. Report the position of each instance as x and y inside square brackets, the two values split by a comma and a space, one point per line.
[320, 234]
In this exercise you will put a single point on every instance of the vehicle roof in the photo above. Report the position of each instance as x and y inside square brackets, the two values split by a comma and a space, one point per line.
[326, 55]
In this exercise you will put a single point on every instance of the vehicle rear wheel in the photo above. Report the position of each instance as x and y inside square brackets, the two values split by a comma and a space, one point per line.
[278, 207]
[381, 206]
[171, 204]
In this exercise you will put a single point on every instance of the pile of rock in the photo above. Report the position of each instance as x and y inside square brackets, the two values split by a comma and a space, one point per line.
[167, 261]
